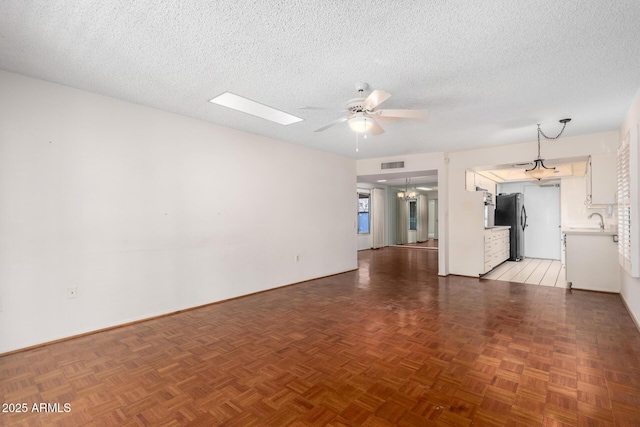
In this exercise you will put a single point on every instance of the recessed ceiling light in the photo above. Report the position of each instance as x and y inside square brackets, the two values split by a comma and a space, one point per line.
[254, 108]
[382, 180]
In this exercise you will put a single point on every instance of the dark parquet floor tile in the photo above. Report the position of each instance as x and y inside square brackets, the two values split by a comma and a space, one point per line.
[391, 344]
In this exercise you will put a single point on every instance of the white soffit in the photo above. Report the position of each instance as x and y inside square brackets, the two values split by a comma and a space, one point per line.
[487, 72]
[517, 174]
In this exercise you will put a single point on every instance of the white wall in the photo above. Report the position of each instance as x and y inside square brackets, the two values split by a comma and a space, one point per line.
[574, 211]
[630, 286]
[148, 212]
[465, 242]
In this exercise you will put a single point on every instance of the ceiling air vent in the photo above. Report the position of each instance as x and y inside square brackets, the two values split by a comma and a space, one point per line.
[392, 165]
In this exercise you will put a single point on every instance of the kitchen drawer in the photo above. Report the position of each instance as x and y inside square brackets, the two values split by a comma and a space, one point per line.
[488, 266]
[490, 235]
[496, 258]
[492, 258]
[496, 248]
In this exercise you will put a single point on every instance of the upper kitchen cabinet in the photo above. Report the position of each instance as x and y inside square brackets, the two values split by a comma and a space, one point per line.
[474, 180]
[469, 181]
[601, 180]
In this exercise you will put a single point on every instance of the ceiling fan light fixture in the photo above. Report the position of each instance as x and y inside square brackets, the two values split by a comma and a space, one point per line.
[360, 123]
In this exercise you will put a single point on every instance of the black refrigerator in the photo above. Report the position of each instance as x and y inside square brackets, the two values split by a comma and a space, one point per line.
[510, 211]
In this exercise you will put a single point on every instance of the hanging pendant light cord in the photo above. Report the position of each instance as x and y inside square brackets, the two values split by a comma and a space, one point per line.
[539, 163]
[564, 125]
[539, 132]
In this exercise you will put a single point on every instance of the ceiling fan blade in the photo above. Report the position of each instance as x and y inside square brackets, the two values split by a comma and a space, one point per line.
[376, 98]
[376, 129]
[404, 114]
[333, 123]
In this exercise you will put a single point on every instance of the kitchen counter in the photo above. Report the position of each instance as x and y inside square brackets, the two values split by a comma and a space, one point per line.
[596, 231]
[498, 227]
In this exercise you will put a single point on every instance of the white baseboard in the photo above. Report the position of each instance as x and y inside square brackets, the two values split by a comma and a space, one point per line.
[633, 317]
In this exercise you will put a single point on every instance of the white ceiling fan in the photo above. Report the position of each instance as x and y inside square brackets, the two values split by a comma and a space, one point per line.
[363, 115]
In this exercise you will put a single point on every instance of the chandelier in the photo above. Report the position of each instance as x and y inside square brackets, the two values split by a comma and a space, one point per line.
[539, 170]
[407, 195]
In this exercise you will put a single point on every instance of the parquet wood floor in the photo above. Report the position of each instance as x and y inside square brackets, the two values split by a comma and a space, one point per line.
[391, 344]
[429, 244]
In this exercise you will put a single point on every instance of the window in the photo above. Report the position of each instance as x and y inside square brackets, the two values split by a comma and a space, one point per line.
[624, 205]
[413, 215]
[363, 213]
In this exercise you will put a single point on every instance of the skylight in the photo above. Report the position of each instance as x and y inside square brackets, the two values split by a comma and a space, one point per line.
[248, 106]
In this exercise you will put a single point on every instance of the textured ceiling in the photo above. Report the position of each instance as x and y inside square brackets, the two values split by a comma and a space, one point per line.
[487, 71]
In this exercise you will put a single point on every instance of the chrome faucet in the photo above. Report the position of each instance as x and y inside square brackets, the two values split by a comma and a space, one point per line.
[601, 220]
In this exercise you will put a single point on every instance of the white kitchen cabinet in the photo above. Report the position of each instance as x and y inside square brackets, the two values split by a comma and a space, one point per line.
[601, 180]
[496, 247]
[592, 260]
[474, 180]
[470, 180]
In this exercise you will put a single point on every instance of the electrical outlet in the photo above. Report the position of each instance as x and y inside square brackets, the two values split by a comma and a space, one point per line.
[297, 258]
[72, 292]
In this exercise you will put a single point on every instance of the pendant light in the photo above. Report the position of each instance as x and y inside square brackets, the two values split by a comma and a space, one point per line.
[407, 195]
[539, 170]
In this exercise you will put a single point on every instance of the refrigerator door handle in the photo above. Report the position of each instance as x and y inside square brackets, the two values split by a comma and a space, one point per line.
[523, 212]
